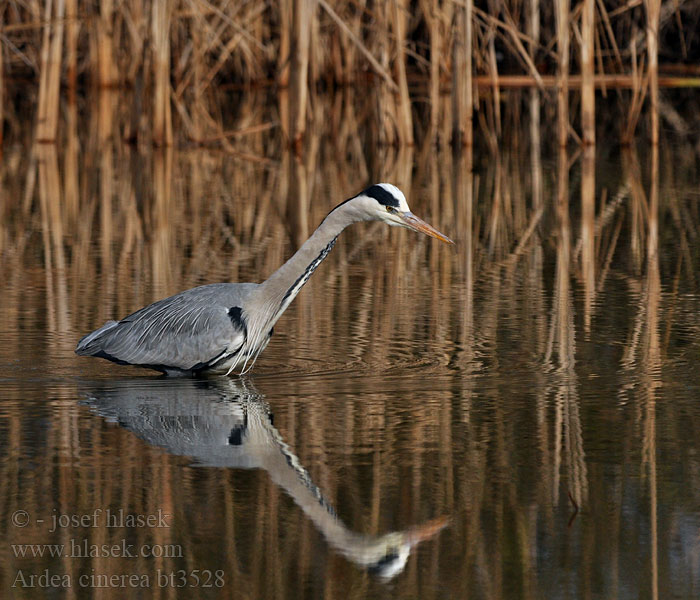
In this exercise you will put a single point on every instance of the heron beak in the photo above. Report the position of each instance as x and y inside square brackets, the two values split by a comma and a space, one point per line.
[413, 222]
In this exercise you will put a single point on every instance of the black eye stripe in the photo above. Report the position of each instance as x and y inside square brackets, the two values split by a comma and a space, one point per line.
[382, 196]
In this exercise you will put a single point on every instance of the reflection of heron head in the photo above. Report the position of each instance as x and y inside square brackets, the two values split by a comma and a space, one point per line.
[395, 556]
[395, 548]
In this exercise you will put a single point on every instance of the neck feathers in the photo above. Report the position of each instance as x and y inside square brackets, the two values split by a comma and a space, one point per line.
[304, 277]
[285, 283]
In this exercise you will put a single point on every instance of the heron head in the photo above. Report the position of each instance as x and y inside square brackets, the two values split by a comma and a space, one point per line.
[385, 202]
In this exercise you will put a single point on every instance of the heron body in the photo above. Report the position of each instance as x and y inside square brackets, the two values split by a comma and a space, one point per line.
[222, 327]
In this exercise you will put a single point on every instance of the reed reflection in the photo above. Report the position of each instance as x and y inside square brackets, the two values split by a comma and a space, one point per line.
[463, 192]
[561, 354]
[226, 423]
[643, 357]
[52, 236]
[652, 362]
[588, 201]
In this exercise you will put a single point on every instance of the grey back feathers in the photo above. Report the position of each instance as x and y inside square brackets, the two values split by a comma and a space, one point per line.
[196, 330]
[225, 326]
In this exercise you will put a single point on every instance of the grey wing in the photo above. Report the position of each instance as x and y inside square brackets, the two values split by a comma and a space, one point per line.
[190, 331]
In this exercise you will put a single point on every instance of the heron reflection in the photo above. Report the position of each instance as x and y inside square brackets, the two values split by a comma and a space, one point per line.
[226, 423]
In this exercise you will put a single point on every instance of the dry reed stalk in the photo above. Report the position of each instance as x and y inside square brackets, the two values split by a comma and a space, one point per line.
[106, 67]
[639, 87]
[665, 12]
[71, 157]
[404, 116]
[283, 111]
[535, 105]
[133, 16]
[446, 69]
[512, 29]
[285, 41]
[430, 10]
[387, 129]
[106, 100]
[336, 52]
[561, 9]
[2, 100]
[533, 31]
[196, 125]
[376, 65]
[347, 47]
[588, 72]
[160, 32]
[609, 31]
[162, 271]
[462, 87]
[49, 86]
[72, 30]
[238, 41]
[653, 10]
[136, 16]
[624, 80]
[71, 192]
[317, 54]
[303, 13]
[468, 85]
[493, 73]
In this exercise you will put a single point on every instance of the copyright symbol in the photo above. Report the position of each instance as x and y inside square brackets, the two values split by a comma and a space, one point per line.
[20, 518]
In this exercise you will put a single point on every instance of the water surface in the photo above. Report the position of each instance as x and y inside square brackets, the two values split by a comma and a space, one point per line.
[514, 418]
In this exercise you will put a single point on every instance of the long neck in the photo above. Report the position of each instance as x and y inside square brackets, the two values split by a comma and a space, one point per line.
[286, 282]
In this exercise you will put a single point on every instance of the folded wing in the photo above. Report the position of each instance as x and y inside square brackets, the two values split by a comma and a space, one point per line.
[191, 331]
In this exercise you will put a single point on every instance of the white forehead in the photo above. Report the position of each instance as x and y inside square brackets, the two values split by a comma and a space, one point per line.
[397, 193]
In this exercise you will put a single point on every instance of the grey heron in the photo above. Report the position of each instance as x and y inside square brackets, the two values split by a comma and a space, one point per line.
[222, 327]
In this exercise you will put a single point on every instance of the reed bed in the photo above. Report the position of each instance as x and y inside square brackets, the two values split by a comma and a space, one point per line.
[171, 59]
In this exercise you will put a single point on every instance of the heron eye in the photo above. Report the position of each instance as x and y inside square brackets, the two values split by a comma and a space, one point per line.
[390, 209]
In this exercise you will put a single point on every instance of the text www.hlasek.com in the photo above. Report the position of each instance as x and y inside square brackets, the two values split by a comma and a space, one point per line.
[80, 548]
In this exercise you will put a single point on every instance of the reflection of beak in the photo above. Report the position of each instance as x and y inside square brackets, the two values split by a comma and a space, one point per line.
[427, 530]
[413, 222]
